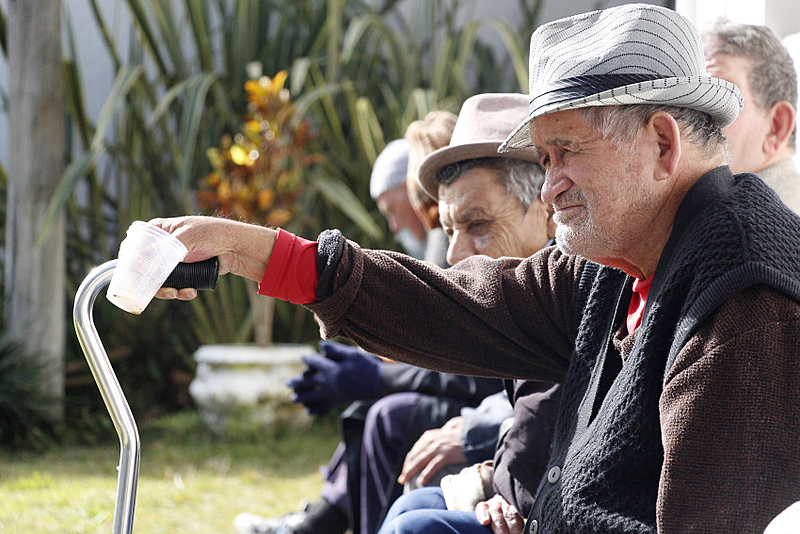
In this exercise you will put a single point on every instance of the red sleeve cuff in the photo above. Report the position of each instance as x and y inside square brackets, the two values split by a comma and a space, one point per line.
[292, 270]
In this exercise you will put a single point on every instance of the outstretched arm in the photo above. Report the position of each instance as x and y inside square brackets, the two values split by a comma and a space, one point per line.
[242, 249]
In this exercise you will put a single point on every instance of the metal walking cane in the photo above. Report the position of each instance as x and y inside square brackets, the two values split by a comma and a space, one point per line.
[200, 275]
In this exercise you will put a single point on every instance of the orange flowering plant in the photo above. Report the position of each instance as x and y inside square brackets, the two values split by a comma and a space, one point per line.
[257, 174]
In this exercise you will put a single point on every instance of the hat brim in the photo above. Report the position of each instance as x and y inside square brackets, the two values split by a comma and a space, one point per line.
[719, 98]
[437, 160]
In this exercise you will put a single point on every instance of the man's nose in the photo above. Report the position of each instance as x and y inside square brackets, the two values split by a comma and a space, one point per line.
[393, 223]
[555, 183]
[459, 248]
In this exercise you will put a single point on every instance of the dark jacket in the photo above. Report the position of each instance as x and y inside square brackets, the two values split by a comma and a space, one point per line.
[523, 450]
[697, 431]
[399, 377]
[442, 397]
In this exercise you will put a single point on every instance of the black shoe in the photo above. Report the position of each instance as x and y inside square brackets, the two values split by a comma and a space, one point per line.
[319, 517]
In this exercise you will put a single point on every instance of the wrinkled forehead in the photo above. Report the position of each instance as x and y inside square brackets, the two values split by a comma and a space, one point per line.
[560, 128]
[478, 192]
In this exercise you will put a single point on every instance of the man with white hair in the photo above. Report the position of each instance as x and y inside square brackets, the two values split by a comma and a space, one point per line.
[762, 139]
[670, 310]
[387, 187]
[489, 204]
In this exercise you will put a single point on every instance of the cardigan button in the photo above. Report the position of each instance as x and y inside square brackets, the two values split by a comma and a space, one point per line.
[534, 526]
[554, 475]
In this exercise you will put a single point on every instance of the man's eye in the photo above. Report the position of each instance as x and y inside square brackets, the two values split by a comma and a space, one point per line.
[476, 226]
[544, 161]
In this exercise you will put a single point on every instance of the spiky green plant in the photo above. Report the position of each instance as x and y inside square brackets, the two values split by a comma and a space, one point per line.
[361, 72]
[25, 408]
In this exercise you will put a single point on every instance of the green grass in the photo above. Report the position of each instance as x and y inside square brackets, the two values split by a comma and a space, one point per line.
[190, 480]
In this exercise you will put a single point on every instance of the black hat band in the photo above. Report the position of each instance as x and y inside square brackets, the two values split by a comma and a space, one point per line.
[571, 89]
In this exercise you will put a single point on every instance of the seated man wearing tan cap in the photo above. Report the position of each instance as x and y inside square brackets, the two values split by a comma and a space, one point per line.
[489, 204]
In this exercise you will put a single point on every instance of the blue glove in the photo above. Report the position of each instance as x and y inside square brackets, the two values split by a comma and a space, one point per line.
[339, 375]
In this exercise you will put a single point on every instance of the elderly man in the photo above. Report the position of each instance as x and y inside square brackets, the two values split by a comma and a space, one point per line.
[488, 205]
[762, 138]
[670, 310]
[387, 187]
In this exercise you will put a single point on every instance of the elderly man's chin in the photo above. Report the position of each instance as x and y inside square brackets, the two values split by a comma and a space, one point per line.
[579, 241]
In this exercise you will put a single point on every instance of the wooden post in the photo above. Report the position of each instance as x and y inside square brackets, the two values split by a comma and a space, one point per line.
[263, 309]
[35, 270]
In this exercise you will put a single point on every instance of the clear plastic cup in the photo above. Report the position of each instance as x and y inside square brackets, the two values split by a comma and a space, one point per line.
[146, 257]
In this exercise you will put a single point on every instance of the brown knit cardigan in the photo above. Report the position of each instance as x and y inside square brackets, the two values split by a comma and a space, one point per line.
[726, 410]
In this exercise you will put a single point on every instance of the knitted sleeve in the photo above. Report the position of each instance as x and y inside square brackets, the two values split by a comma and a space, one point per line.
[451, 320]
[729, 419]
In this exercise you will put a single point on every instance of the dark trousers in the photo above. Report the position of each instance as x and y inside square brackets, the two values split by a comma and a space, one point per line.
[362, 474]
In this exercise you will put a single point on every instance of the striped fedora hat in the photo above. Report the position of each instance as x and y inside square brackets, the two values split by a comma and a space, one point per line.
[631, 54]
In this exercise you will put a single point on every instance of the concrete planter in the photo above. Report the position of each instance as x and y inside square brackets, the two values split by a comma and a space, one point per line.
[242, 388]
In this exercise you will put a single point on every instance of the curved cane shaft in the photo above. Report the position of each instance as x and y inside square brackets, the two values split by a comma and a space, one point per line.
[112, 394]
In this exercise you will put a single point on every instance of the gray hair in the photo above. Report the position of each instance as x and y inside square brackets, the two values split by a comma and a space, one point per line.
[522, 179]
[620, 124]
[772, 76]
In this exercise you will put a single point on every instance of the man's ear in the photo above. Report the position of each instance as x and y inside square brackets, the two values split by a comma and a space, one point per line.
[667, 135]
[781, 117]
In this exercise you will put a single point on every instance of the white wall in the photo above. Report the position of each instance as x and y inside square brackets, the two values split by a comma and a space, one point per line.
[782, 16]
[95, 65]
[507, 10]
[3, 104]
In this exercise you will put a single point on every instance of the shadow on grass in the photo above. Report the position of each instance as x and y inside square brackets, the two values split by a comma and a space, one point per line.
[282, 449]
[190, 479]
[181, 440]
